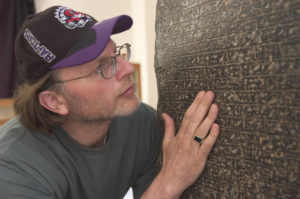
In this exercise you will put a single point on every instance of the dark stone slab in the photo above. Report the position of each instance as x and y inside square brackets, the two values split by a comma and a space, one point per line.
[248, 53]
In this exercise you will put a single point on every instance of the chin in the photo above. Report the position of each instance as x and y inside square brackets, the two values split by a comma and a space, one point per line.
[128, 106]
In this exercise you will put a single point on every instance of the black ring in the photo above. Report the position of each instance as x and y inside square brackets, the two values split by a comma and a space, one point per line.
[197, 139]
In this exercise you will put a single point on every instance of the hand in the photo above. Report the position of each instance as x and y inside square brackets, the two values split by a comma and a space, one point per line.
[184, 158]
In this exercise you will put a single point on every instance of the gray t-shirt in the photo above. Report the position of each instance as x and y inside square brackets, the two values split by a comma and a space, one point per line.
[38, 166]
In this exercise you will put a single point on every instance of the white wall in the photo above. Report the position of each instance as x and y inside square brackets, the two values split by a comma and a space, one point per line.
[141, 35]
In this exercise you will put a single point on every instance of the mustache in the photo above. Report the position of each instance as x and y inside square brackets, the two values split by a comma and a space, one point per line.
[128, 82]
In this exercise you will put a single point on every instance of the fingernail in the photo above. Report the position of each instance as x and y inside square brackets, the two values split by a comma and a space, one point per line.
[201, 94]
[210, 94]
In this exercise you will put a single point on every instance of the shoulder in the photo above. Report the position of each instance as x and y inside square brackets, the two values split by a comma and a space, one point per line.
[20, 145]
[24, 157]
[16, 140]
[11, 133]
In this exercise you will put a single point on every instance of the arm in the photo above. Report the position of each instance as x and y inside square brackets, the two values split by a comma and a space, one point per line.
[184, 159]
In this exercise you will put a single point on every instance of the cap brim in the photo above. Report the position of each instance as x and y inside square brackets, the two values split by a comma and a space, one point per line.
[92, 44]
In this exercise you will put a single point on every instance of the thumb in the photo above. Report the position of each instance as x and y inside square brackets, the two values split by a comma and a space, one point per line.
[169, 128]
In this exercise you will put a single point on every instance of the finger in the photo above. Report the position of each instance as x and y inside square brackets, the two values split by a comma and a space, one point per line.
[209, 142]
[200, 112]
[169, 128]
[195, 104]
[208, 121]
[191, 110]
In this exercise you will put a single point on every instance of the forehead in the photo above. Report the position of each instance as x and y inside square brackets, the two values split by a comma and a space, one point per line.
[111, 45]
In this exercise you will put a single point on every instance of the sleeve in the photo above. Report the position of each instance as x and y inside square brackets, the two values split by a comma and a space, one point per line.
[14, 183]
[150, 168]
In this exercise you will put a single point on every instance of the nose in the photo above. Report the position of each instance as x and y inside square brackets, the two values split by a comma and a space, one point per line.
[123, 69]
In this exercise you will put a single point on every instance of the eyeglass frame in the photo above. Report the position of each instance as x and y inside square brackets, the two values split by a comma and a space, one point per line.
[98, 69]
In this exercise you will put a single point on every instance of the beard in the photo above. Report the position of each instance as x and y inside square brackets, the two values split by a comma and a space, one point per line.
[89, 110]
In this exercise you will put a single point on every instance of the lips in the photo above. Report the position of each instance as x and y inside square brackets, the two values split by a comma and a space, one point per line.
[129, 91]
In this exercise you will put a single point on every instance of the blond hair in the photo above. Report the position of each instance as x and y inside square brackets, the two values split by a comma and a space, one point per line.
[28, 108]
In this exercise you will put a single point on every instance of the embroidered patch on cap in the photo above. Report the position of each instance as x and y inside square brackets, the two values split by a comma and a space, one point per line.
[41, 50]
[70, 18]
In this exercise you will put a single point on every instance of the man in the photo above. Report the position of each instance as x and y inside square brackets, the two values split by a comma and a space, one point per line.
[80, 131]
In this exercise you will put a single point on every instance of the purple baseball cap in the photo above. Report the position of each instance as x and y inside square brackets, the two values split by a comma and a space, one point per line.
[60, 37]
[101, 33]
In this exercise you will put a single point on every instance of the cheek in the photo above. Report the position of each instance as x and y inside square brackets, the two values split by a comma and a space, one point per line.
[92, 91]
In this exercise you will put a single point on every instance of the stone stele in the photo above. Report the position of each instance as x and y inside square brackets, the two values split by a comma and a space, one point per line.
[248, 53]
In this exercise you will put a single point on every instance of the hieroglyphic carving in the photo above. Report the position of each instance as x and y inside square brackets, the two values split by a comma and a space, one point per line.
[248, 53]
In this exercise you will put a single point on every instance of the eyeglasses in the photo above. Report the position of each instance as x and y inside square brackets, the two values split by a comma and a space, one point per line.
[107, 67]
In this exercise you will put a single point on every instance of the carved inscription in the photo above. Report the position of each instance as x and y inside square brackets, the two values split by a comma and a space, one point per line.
[248, 53]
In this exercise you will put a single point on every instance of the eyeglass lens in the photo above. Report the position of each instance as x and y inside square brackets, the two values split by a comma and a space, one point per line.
[124, 52]
[108, 68]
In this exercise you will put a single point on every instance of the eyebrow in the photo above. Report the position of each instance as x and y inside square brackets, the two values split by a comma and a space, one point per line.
[100, 59]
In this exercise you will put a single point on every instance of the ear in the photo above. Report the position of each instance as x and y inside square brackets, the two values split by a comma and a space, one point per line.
[53, 102]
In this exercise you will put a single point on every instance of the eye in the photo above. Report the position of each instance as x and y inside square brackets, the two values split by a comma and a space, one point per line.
[102, 64]
[106, 64]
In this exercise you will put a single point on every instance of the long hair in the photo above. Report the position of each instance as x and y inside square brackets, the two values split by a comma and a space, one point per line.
[28, 108]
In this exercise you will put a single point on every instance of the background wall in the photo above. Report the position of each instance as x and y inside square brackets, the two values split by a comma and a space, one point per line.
[141, 36]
